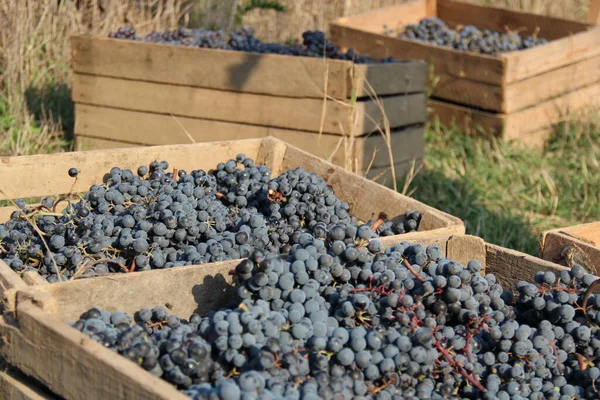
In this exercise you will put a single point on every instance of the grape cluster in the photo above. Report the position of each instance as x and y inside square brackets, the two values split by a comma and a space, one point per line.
[154, 219]
[333, 320]
[468, 38]
[314, 43]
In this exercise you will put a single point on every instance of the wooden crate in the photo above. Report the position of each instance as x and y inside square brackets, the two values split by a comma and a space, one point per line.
[47, 175]
[154, 94]
[14, 385]
[75, 367]
[517, 95]
[585, 237]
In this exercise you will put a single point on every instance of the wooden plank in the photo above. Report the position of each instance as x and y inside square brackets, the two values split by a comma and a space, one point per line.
[587, 232]
[472, 66]
[464, 248]
[387, 79]
[585, 236]
[186, 290]
[593, 12]
[467, 119]
[532, 91]
[271, 74]
[468, 92]
[558, 53]
[16, 386]
[155, 129]
[47, 173]
[502, 19]
[281, 112]
[54, 353]
[551, 112]
[83, 143]
[208, 68]
[518, 95]
[357, 154]
[410, 12]
[511, 266]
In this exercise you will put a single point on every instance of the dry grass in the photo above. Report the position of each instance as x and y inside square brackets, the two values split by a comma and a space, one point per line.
[35, 106]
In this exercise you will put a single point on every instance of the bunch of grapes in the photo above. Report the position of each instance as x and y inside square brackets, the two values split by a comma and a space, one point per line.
[348, 321]
[154, 219]
[468, 38]
[314, 43]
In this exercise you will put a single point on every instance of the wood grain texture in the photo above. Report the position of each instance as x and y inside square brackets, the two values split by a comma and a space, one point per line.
[16, 386]
[271, 74]
[529, 127]
[520, 94]
[263, 110]
[502, 19]
[511, 266]
[395, 17]
[208, 68]
[47, 173]
[552, 84]
[585, 236]
[104, 128]
[556, 54]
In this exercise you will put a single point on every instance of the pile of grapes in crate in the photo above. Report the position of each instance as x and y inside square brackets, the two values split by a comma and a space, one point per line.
[339, 321]
[314, 43]
[467, 38]
[321, 309]
[155, 219]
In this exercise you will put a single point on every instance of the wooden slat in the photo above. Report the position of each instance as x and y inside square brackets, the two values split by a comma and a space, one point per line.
[395, 17]
[511, 266]
[500, 19]
[551, 84]
[121, 127]
[271, 74]
[518, 95]
[585, 236]
[551, 112]
[144, 128]
[16, 386]
[472, 66]
[208, 68]
[469, 120]
[556, 54]
[47, 173]
[357, 154]
[83, 143]
[381, 79]
[281, 112]
[186, 290]
[530, 126]
[593, 12]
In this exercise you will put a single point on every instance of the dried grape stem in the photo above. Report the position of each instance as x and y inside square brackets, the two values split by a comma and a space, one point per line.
[412, 270]
[456, 365]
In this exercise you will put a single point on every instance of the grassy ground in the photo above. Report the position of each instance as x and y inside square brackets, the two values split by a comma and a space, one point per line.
[509, 195]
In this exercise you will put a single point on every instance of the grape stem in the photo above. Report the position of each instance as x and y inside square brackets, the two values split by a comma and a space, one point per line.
[459, 367]
[413, 271]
